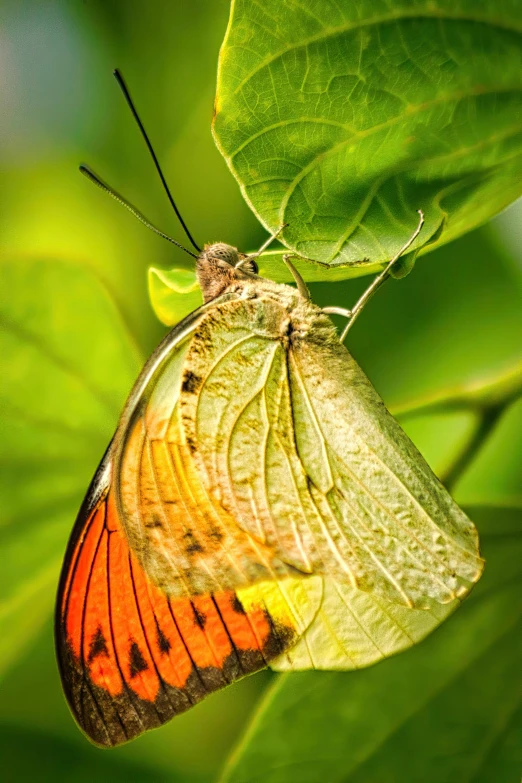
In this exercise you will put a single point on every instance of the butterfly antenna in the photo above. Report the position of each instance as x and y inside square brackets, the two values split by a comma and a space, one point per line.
[132, 107]
[87, 172]
[377, 282]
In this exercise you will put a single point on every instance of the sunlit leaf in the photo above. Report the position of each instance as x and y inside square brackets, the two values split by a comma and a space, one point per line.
[343, 118]
[67, 363]
[174, 293]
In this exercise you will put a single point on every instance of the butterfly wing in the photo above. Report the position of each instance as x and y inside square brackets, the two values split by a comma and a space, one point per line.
[132, 652]
[412, 543]
[295, 444]
[353, 629]
[185, 542]
[130, 656]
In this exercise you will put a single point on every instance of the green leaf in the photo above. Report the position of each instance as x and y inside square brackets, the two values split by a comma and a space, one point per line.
[271, 265]
[174, 293]
[441, 436]
[343, 118]
[483, 483]
[67, 364]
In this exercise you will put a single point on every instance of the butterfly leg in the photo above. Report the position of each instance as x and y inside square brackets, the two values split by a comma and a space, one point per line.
[263, 247]
[301, 285]
[376, 283]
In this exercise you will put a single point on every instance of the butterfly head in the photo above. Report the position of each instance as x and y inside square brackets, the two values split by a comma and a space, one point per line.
[217, 268]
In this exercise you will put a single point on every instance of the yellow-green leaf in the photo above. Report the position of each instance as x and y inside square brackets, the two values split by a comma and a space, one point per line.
[174, 293]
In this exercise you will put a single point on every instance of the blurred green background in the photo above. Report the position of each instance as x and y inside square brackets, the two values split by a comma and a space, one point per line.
[443, 346]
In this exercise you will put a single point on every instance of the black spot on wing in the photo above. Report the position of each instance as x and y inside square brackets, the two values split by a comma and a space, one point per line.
[216, 534]
[192, 545]
[191, 382]
[164, 644]
[154, 522]
[97, 646]
[281, 637]
[110, 720]
[237, 606]
[137, 661]
[191, 443]
[200, 618]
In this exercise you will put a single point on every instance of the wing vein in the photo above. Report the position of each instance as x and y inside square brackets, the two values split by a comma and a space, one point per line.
[232, 643]
[260, 391]
[164, 550]
[388, 512]
[113, 640]
[146, 638]
[391, 516]
[369, 550]
[312, 413]
[194, 667]
[85, 679]
[224, 355]
[368, 635]
[419, 507]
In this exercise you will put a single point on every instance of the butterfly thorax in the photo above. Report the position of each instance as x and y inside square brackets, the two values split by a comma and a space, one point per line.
[290, 317]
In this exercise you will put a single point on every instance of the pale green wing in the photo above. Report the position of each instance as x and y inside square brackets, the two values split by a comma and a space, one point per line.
[374, 486]
[294, 443]
[353, 629]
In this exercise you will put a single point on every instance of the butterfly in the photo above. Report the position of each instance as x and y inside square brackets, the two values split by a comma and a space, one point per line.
[257, 506]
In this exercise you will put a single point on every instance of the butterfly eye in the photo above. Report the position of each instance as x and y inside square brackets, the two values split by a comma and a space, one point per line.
[224, 252]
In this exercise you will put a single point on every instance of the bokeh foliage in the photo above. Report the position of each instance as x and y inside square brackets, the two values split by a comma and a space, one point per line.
[443, 347]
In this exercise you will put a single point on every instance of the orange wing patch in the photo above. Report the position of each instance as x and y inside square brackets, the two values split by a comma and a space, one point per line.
[131, 657]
